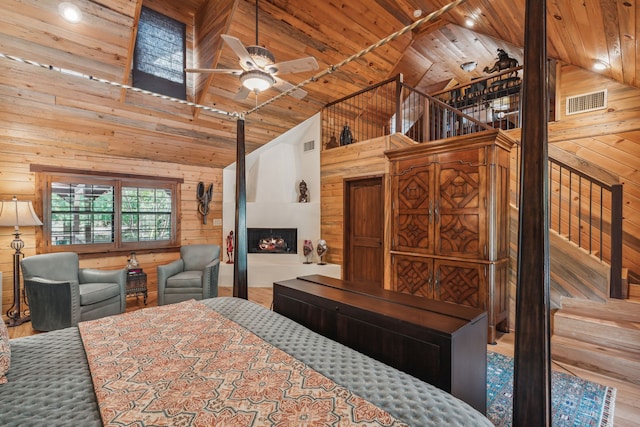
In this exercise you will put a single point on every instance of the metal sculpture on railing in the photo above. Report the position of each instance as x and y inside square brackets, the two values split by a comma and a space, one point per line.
[204, 197]
[346, 137]
[504, 62]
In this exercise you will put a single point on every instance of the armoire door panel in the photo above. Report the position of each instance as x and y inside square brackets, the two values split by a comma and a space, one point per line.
[459, 283]
[459, 236]
[460, 209]
[414, 207]
[413, 275]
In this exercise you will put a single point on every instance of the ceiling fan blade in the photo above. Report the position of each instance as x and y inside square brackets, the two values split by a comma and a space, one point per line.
[296, 65]
[214, 70]
[243, 93]
[238, 48]
[283, 86]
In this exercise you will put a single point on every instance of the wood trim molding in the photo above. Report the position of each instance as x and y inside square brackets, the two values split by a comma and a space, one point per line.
[56, 169]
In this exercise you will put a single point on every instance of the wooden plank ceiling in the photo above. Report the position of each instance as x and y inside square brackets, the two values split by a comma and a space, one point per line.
[101, 45]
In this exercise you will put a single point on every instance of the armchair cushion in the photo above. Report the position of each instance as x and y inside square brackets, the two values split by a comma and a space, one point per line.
[185, 279]
[196, 257]
[91, 293]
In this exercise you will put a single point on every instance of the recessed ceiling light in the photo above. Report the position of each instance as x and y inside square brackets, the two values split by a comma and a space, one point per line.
[468, 21]
[417, 13]
[599, 65]
[70, 12]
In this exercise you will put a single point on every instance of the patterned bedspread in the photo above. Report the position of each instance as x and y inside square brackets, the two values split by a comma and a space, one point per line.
[50, 384]
[185, 364]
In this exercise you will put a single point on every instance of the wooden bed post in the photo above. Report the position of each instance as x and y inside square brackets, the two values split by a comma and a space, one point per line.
[532, 372]
[240, 261]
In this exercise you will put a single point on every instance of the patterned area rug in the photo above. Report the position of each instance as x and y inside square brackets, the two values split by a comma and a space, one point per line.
[574, 401]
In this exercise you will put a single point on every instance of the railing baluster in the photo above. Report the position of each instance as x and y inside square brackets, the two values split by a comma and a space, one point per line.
[560, 187]
[591, 220]
[579, 211]
[570, 202]
[601, 219]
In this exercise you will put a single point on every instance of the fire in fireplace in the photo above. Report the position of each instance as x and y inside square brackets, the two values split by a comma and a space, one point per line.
[272, 240]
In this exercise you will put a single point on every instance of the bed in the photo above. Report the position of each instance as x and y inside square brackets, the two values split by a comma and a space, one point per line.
[50, 382]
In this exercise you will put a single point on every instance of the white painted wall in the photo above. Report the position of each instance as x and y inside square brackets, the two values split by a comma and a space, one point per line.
[274, 172]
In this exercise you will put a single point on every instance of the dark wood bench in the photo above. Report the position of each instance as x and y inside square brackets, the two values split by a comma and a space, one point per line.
[440, 343]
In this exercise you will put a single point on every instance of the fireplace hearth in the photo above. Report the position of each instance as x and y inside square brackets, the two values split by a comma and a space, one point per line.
[272, 240]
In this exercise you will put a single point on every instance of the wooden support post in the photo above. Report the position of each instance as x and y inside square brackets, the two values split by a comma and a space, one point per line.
[240, 262]
[532, 371]
[616, 288]
[399, 105]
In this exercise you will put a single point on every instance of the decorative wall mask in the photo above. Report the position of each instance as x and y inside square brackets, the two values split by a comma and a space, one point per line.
[308, 251]
[204, 198]
[304, 192]
[321, 250]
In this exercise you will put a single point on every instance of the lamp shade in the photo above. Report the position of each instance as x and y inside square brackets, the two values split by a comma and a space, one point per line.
[17, 213]
[256, 80]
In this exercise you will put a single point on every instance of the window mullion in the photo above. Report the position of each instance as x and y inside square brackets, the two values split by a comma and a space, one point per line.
[117, 220]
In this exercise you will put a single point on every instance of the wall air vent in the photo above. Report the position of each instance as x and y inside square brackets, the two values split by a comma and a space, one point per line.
[587, 102]
[309, 146]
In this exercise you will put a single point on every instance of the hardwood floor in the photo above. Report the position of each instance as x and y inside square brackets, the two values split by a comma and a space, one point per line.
[627, 404]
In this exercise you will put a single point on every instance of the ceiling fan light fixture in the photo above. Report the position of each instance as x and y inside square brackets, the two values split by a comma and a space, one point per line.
[257, 80]
[261, 56]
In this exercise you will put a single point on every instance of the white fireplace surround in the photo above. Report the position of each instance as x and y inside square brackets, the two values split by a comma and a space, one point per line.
[274, 172]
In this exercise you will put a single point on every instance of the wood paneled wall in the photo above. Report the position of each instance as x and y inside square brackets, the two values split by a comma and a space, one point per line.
[350, 161]
[16, 179]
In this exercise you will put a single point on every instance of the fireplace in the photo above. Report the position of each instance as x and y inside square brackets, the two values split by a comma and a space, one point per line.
[272, 240]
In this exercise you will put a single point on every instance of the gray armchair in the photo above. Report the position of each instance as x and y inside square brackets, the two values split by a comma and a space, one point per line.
[193, 276]
[61, 294]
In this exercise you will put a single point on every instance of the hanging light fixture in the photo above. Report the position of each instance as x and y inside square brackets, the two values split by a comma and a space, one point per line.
[257, 80]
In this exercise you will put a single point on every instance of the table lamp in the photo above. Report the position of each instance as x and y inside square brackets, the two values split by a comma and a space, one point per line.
[16, 213]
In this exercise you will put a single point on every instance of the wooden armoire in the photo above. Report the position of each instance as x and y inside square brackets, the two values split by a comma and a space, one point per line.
[450, 222]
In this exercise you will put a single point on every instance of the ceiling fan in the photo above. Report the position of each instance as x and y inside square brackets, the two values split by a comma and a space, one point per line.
[258, 68]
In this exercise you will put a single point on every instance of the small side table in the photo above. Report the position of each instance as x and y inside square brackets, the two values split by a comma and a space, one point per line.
[137, 283]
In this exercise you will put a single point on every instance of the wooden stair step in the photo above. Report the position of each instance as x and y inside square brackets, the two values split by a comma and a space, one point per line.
[624, 365]
[618, 334]
[611, 309]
